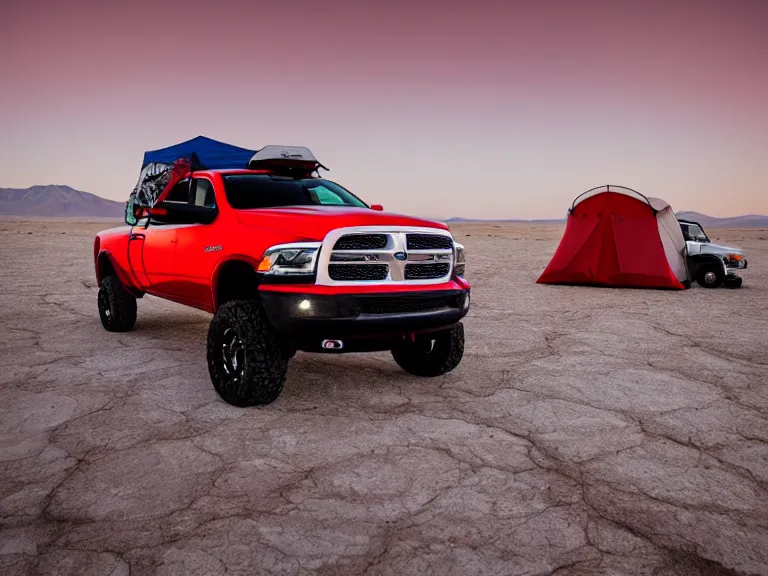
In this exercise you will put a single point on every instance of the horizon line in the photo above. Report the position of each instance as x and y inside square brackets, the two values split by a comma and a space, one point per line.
[446, 219]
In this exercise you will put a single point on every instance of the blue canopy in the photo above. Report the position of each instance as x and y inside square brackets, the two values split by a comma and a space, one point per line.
[211, 154]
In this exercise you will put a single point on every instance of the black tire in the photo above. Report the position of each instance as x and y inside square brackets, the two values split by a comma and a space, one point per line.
[117, 307]
[246, 360]
[733, 281]
[432, 354]
[710, 276]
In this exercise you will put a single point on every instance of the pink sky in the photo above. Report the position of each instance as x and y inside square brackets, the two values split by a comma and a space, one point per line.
[477, 109]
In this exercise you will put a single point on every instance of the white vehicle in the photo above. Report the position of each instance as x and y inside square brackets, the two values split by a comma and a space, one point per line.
[711, 265]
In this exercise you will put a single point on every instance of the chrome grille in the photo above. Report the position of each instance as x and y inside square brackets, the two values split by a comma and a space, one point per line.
[426, 271]
[361, 242]
[397, 254]
[428, 242]
[358, 272]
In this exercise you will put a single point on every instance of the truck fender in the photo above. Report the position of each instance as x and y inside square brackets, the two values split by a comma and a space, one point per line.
[231, 259]
[696, 261]
[106, 262]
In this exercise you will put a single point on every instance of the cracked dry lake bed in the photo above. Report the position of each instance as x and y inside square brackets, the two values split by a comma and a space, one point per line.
[587, 431]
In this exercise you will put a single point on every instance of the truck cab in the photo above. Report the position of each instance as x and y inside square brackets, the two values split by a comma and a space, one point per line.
[711, 265]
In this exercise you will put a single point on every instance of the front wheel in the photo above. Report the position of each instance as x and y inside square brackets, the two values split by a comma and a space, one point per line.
[431, 354]
[246, 360]
[710, 277]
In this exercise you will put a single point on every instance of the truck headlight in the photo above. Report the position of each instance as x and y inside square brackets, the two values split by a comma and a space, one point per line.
[459, 263]
[284, 259]
[733, 261]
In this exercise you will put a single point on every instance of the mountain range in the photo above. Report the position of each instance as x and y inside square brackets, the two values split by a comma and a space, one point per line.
[57, 201]
[746, 221]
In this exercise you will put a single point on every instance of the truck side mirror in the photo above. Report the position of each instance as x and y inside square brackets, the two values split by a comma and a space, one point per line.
[377, 207]
[140, 212]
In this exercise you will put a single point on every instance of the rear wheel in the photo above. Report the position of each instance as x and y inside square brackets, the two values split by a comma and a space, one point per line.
[117, 307]
[432, 354]
[710, 277]
[246, 360]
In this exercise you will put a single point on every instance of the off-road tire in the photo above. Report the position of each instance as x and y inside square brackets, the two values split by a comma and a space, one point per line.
[258, 373]
[432, 354]
[733, 282]
[117, 306]
[716, 270]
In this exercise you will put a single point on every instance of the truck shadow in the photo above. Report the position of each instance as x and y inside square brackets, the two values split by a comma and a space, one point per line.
[347, 377]
[364, 379]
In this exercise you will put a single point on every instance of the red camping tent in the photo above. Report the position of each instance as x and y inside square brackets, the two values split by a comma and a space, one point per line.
[615, 236]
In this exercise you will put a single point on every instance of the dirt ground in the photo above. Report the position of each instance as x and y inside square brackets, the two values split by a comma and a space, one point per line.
[586, 431]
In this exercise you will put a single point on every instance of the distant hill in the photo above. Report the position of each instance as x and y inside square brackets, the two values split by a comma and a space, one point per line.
[746, 221]
[56, 201]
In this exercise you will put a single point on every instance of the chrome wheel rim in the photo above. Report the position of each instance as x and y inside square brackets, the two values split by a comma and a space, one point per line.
[710, 277]
[104, 304]
[232, 354]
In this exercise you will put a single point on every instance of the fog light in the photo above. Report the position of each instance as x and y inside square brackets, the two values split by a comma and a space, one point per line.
[466, 302]
[305, 305]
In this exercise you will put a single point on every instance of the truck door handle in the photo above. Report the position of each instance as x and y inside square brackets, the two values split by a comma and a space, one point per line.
[136, 236]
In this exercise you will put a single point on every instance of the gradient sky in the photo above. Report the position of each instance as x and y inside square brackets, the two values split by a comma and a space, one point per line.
[476, 109]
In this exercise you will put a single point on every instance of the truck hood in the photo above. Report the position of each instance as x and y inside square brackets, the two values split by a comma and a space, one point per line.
[709, 248]
[314, 222]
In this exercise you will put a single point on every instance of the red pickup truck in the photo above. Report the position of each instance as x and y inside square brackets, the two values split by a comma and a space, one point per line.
[285, 260]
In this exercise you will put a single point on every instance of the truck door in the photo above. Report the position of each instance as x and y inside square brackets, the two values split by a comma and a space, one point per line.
[158, 254]
[152, 247]
[199, 247]
[160, 245]
[151, 250]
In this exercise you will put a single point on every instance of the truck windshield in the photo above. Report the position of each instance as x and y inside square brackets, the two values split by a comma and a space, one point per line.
[693, 232]
[249, 191]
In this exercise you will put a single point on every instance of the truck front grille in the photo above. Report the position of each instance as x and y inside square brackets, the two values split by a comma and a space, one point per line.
[358, 272]
[361, 242]
[428, 242]
[375, 254]
[426, 271]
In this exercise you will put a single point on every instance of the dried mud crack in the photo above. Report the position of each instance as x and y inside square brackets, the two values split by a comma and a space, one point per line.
[586, 431]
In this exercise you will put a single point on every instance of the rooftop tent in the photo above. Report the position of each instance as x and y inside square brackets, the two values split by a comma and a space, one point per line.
[166, 166]
[615, 236]
[210, 154]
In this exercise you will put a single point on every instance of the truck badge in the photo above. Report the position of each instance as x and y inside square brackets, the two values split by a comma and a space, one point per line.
[216, 248]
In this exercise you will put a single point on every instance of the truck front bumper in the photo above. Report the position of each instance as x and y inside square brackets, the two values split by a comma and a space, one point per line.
[734, 267]
[361, 321]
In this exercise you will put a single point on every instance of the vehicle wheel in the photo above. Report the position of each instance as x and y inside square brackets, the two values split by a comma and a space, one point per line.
[117, 307]
[245, 357]
[710, 277]
[433, 354]
[733, 281]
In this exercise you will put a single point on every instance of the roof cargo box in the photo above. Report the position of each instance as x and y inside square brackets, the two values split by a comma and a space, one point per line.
[291, 157]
